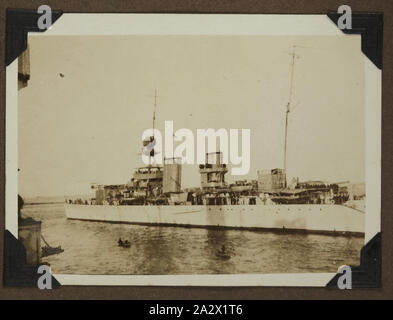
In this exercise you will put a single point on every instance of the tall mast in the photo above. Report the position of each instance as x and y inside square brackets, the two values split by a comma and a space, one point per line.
[154, 122]
[154, 110]
[288, 109]
[150, 143]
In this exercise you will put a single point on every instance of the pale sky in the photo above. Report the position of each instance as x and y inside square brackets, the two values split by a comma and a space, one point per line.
[86, 127]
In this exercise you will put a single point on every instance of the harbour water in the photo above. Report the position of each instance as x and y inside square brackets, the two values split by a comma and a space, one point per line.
[91, 248]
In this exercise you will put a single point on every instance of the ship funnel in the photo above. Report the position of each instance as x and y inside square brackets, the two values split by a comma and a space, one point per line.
[172, 175]
[213, 172]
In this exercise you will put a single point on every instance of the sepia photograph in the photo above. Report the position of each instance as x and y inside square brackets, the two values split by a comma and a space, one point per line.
[194, 154]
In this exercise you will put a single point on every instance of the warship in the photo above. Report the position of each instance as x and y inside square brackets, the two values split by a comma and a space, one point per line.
[154, 196]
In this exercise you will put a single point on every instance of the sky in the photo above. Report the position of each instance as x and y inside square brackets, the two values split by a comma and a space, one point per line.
[85, 125]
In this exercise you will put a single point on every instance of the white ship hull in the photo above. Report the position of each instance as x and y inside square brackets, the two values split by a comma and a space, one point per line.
[313, 218]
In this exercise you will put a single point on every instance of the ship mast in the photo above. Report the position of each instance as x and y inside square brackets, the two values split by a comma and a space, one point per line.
[154, 122]
[154, 110]
[288, 110]
[148, 144]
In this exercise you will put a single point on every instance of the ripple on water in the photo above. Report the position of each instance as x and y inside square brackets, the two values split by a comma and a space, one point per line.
[91, 248]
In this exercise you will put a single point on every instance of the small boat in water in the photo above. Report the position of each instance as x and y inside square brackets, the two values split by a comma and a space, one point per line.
[124, 244]
[223, 253]
[48, 250]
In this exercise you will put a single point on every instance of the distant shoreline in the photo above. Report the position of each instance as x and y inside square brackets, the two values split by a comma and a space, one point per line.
[40, 200]
[40, 203]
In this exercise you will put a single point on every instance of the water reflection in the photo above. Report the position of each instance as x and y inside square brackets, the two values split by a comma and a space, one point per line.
[156, 254]
[92, 248]
[220, 250]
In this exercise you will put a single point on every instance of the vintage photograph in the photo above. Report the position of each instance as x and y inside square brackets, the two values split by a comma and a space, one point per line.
[192, 154]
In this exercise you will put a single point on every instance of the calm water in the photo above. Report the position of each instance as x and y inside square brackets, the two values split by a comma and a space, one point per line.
[91, 248]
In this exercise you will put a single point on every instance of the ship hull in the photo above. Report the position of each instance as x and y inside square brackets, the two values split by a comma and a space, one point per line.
[335, 219]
